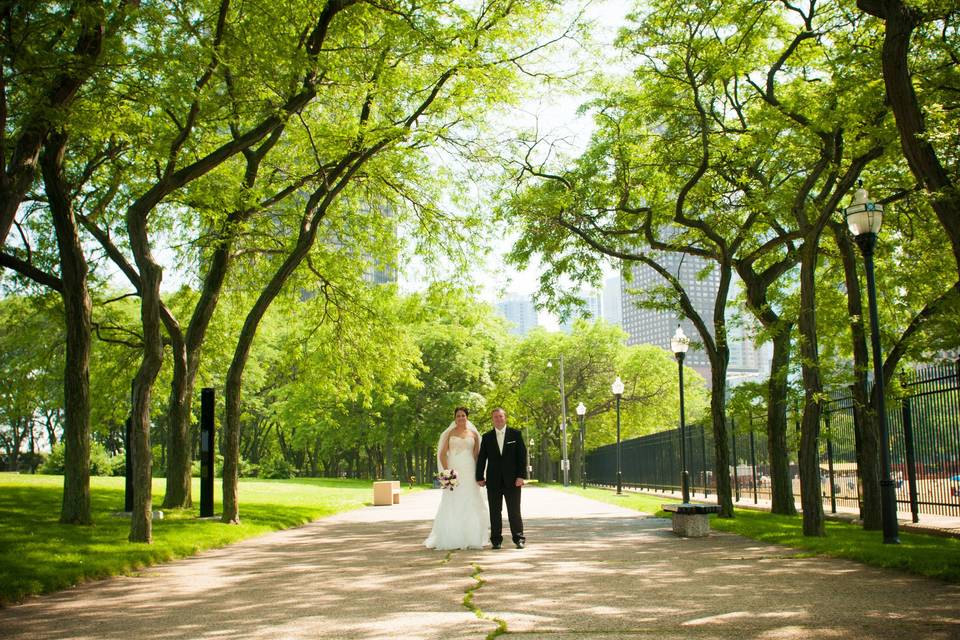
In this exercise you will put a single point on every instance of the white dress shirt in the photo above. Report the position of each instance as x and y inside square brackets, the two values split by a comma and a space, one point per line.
[501, 434]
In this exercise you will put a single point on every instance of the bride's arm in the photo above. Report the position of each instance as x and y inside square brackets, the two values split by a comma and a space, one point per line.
[444, 450]
[476, 445]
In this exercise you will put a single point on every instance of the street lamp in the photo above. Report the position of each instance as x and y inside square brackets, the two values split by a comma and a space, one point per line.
[617, 389]
[530, 459]
[679, 344]
[864, 219]
[564, 463]
[582, 411]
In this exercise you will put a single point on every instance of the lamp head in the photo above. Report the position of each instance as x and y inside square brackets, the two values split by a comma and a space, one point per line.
[581, 410]
[679, 343]
[863, 216]
[617, 387]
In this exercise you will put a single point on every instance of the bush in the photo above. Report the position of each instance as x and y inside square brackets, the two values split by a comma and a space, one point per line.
[247, 470]
[53, 465]
[101, 462]
[276, 468]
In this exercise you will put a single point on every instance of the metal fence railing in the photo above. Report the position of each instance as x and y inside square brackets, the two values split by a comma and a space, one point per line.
[924, 425]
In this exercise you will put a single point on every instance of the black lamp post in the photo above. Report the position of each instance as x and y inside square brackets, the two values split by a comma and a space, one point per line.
[530, 458]
[617, 389]
[582, 411]
[679, 344]
[864, 219]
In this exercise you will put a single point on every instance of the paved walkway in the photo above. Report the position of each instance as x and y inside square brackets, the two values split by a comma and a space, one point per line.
[590, 570]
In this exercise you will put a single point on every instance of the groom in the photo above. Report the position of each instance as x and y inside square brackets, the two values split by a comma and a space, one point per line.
[504, 456]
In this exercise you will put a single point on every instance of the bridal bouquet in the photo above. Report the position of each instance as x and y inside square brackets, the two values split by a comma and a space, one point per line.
[448, 479]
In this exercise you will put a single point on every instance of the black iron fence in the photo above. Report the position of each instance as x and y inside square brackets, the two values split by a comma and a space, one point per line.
[924, 425]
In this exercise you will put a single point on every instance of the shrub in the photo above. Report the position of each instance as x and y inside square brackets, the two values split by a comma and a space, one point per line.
[101, 462]
[247, 470]
[276, 468]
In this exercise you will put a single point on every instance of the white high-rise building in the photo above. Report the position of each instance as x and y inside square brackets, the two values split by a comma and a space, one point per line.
[612, 301]
[519, 312]
[656, 327]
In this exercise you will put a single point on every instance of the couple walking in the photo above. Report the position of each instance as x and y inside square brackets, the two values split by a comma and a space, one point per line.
[498, 461]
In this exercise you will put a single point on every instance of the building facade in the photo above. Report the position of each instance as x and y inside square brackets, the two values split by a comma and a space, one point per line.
[519, 312]
[656, 326]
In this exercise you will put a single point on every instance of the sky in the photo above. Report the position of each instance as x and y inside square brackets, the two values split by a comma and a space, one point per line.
[554, 112]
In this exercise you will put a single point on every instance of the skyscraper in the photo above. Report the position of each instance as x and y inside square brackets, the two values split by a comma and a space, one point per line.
[519, 312]
[613, 301]
[656, 326]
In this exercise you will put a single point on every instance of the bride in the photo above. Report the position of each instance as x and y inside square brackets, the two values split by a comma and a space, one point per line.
[462, 519]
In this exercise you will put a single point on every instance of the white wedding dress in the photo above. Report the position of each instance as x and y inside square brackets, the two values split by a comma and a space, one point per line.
[462, 520]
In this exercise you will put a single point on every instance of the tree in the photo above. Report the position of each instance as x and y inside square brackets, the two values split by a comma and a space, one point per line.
[408, 83]
[933, 69]
[52, 53]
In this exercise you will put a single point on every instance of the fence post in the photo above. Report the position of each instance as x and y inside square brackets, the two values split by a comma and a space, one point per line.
[907, 415]
[753, 462]
[703, 452]
[736, 463]
[833, 486]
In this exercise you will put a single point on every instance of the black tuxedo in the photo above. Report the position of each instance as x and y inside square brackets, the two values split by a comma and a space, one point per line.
[502, 471]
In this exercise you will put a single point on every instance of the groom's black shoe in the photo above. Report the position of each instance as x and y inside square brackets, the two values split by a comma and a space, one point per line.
[496, 545]
[520, 545]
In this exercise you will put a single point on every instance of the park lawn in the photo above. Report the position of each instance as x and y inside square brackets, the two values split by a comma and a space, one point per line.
[924, 554]
[40, 555]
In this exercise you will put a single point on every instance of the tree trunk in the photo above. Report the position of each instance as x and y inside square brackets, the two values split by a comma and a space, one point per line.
[179, 446]
[308, 230]
[810, 488]
[721, 446]
[150, 277]
[185, 375]
[388, 461]
[781, 485]
[77, 317]
[866, 428]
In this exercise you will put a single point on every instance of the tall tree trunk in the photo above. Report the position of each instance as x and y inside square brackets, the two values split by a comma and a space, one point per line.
[308, 230]
[187, 362]
[721, 446]
[810, 488]
[142, 389]
[179, 446]
[866, 427]
[77, 317]
[756, 287]
[781, 486]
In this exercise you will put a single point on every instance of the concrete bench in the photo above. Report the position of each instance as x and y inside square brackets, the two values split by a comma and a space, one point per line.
[386, 492]
[691, 520]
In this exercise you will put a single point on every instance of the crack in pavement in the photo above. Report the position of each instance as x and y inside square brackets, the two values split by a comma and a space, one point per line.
[470, 606]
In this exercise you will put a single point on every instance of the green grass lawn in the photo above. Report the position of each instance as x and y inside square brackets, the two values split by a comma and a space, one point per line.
[39, 555]
[927, 555]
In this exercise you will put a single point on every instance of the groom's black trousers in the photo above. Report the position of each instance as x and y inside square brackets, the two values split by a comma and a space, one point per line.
[496, 496]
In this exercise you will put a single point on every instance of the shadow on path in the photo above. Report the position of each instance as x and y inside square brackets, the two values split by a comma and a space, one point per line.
[590, 570]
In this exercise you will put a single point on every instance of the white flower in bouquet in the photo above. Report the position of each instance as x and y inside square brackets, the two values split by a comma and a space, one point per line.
[448, 479]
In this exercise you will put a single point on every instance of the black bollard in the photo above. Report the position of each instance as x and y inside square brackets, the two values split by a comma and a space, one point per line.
[206, 452]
